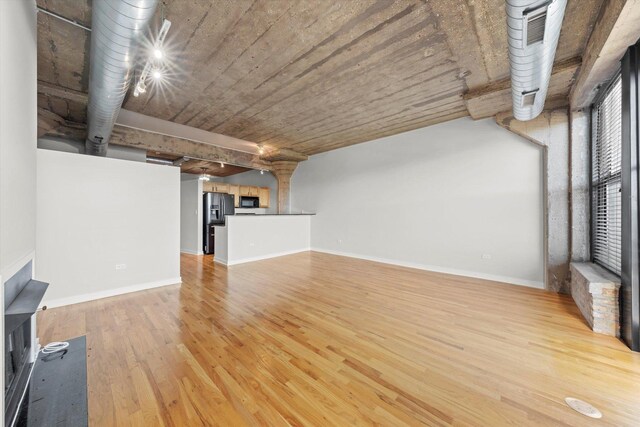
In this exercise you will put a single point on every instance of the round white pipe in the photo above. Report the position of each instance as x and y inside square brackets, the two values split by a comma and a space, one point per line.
[117, 26]
[531, 65]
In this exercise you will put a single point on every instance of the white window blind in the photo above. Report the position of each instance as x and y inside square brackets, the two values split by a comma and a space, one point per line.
[606, 178]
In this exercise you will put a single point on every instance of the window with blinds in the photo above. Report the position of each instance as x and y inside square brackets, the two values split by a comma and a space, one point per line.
[606, 178]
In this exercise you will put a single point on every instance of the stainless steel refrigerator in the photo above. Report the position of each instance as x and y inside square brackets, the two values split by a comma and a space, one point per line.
[216, 206]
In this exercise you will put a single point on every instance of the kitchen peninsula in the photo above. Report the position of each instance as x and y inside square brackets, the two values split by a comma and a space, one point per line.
[246, 238]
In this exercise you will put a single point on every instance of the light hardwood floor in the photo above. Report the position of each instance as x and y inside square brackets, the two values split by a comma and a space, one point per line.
[317, 339]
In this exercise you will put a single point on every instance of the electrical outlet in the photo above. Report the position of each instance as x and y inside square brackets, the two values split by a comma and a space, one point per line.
[339, 241]
[486, 256]
[121, 266]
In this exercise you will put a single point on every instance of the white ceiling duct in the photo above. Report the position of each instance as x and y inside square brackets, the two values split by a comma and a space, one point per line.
[533, 28]
[117, 27]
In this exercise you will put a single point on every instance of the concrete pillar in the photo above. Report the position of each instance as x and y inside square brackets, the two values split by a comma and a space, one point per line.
[580, 123]
[551, 131]
[282, 170]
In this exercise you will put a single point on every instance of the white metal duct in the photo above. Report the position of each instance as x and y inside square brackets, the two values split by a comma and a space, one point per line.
[533, 29]
[117, 26]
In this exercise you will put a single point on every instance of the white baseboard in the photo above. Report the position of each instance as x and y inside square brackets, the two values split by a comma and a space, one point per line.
[59, 302]
[191, 252]
[438, 269]
[261, 257]
[219, 260]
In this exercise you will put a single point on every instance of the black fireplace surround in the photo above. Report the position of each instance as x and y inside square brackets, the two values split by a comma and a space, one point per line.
[22, 295]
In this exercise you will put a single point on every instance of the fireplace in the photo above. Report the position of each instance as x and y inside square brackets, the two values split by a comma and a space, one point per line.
[17, 368]
[22, 295]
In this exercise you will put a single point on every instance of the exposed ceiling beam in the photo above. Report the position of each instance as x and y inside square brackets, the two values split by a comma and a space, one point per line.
[61, 92]
[51, 124]
[278, 154]
[617, 27]
[496, 97]
[152, 124]
[48, 122]
[183, 147]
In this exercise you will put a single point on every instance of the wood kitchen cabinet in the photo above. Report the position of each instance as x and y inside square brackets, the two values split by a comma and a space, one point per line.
[235, 190]
[247, 190]
[263, 194]
[221, 187]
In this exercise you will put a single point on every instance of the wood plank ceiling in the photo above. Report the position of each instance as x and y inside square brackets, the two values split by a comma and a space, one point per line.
[307, 75]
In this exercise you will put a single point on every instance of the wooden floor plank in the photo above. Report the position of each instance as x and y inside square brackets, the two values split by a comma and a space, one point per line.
[317, 339]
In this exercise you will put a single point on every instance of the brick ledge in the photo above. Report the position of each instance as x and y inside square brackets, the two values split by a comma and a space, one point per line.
[595, 292]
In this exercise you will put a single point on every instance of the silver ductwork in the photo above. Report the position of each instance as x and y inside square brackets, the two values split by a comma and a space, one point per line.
[117, 28]
[159, 161]
[533, 29]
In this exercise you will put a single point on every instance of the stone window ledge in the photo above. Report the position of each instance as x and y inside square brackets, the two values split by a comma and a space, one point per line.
[595, 292]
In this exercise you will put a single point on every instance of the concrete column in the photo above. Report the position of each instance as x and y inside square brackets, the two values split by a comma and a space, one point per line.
[580, 122]
[551, 131]
[283, 169]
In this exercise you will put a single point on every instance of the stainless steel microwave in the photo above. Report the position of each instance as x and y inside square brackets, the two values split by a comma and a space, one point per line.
[249, 202]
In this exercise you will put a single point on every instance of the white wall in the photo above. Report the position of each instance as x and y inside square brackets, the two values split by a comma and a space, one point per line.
[18, 134]
[251, 238]
[95, 213]
[438, 198]
[191, 216]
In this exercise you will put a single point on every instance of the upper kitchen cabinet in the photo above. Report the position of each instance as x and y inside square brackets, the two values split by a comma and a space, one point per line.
[246, 190]
[263, 194]
[221, 187]
[235, 190]
[208, 186]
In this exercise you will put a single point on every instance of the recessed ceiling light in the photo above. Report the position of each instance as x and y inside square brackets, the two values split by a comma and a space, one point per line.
[156, 74]
[157, 53]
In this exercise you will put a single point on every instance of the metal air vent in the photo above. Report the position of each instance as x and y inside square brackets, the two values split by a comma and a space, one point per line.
[529, 98]
[536, 21]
